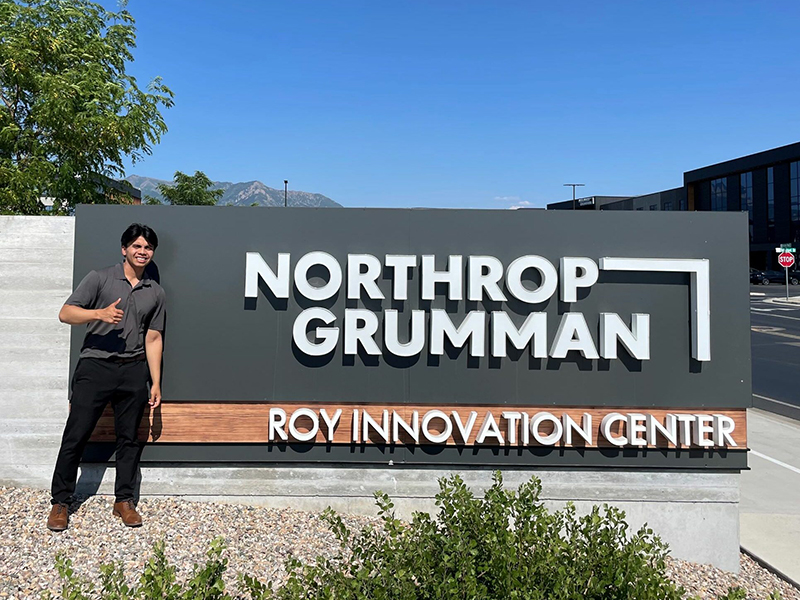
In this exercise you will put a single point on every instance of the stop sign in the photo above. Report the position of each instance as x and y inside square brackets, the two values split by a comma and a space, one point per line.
[786, 259]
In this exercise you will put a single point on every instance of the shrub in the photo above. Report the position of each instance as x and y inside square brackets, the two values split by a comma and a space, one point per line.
[504, 545]
[157, 582]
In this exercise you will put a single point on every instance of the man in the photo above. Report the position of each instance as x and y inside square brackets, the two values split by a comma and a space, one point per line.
[124, 310]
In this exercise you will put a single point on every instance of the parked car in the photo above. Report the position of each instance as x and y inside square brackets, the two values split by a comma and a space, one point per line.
[767, 277]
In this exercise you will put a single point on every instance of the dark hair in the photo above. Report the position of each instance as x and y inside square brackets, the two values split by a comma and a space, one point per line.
[137, 230]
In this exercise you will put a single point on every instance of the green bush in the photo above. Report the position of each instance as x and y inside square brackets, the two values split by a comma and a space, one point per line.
[504, 545]
[157, 582]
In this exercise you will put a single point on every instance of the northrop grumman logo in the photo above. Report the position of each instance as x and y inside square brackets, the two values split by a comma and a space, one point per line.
[481, 280]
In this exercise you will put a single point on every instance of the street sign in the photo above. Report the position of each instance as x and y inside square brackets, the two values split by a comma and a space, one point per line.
[786, 260]
[785, 249]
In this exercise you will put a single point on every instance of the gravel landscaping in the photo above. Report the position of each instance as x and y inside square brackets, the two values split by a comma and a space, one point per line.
[258, 541]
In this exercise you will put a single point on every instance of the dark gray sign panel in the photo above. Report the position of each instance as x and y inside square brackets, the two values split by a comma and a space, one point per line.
[222, 346]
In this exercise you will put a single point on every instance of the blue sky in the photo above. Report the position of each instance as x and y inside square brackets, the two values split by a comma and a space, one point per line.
[467, 104]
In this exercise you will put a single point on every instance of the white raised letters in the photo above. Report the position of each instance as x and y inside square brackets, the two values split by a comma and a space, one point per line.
[485, 279]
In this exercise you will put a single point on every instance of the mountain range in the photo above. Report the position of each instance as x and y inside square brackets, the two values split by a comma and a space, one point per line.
[246, 193]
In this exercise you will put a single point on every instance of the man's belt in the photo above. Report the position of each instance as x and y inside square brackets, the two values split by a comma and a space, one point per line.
[126, 359]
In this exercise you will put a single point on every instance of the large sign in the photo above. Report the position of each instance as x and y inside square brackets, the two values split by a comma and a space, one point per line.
[409, 329]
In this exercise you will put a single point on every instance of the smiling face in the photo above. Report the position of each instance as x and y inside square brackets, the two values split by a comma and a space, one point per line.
[139, 253]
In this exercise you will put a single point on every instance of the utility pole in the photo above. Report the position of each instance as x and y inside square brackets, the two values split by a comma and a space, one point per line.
[573, 186]
[285, 193]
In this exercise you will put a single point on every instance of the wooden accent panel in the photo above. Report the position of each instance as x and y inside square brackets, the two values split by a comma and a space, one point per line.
[203, 422]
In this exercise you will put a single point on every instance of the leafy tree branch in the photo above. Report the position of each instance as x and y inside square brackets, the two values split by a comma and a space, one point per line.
[70, 113]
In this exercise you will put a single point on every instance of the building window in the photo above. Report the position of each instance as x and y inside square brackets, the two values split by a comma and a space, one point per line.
[795, 177]
[654, 207]
[746, 197]
[770, 196]
[667, 205]
[682, 204]
[719, 194]
[746, 192]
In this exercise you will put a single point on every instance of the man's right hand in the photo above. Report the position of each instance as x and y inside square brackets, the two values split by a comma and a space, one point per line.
[110, 314]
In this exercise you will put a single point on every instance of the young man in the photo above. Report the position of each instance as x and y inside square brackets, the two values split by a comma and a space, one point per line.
[124, 310]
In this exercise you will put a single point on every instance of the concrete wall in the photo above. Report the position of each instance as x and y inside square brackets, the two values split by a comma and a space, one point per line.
[695, 512]
[35, 279]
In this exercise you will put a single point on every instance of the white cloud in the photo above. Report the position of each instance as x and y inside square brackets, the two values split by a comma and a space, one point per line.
[520, 204]
[513, 202]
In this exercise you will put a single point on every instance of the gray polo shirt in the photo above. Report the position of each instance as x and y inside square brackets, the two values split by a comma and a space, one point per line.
[143, 308]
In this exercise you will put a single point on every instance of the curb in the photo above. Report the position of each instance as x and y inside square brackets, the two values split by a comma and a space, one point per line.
[780, 574]
[776, 407]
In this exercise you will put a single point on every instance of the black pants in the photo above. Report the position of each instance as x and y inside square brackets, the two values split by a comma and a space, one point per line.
[97, 382]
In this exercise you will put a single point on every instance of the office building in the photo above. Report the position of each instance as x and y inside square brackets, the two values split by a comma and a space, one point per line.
[766, 185]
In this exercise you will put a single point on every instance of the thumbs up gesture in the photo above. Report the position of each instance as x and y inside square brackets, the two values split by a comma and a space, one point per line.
[110, 314]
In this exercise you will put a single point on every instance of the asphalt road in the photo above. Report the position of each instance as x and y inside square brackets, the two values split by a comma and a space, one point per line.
[775, 344]
[769, 513]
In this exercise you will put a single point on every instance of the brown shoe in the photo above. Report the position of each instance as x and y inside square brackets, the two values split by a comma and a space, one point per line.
[127, 511]
[59, 517]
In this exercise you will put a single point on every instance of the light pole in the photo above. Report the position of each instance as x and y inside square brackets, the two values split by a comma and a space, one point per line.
[573, 186]
[285, 193]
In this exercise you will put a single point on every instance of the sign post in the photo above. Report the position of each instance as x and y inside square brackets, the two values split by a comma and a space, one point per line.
[399, 344]
[786, 260]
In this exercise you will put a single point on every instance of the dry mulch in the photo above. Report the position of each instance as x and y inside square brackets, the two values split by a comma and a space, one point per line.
[258, 540]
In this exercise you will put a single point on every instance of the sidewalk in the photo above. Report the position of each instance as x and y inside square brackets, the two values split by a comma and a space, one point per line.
[769, 508]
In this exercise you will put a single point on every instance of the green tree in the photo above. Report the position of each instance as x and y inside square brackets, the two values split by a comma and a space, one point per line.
[188, 190]
[69, 112]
